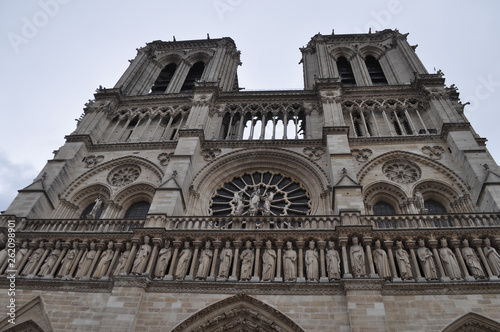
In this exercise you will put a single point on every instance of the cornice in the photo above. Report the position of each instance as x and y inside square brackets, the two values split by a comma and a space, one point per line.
[363, 141]
[120, 146]
[386, 288]
[243, 144]
[440, 288]
[94, 286]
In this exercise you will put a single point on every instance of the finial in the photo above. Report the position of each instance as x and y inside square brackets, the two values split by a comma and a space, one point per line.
[174, 38]
[370, 30]
[208, 36]
[344, 171]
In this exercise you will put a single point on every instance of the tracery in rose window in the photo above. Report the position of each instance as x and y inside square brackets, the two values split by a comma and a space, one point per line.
[260, 194]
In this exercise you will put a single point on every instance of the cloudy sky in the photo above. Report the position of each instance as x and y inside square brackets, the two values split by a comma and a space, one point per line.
[55, 53]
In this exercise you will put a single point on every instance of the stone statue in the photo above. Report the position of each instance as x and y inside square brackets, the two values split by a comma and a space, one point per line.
[238, 203]
[254, 202]
[86, 262]
[449, 260]
[268, 262]
[67, 261]
[163, 259]
[247, 257]
[312, 262]
[419, 199]
[492, 256]
[226, 256]
[426, 259]
[3, 255]
[122, 260]
[332, 262]
[141, 258]
[205, 262]
[290, 263]
[472, 261]
[357, 258]
[50, 261]
[21, 252]
[381, 261]
[95, 208]
[267, 204]
[104, 262]
[183, 264]
[403, 260]
[33, 260]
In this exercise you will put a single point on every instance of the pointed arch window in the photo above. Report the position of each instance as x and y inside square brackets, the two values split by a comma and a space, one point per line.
[163, 80]
[375, 70]
[193, 75]
[138, 210]
[383, 209]
[88, 210]
[434, 207]
[345, 71]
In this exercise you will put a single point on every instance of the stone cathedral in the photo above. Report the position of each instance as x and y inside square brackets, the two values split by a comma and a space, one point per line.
[182, 202]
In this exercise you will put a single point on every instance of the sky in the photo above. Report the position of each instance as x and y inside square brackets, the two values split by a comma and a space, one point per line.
[55, 53]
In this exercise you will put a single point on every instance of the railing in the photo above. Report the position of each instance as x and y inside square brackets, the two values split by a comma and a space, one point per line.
[242, 223]
[433, 221]
[421, 221]
[76, 225]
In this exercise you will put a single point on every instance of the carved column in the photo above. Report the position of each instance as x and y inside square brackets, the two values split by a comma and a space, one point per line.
[477, 243]
[433, 245]
[48, 248]
[190, 276]
[321, 247]
[65, 246]
[152, 259]
[367, 241]
[118, 247]
[411, 245]
[388, 245]
[279, 246]
[82, 249]
[131, 257]
[237, 245]
[177, 245]
[300, 246]
[256, 273]
[212, 275]
[345, 261]
[455, 243]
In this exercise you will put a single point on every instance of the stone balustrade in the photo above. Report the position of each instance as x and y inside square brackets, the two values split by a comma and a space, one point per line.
[421, 221]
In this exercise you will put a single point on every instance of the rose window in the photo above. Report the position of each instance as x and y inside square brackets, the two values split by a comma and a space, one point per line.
[261, 194]
[401, 171]
[123, 175]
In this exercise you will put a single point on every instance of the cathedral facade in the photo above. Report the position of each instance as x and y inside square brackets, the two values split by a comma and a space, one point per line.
[181, 202]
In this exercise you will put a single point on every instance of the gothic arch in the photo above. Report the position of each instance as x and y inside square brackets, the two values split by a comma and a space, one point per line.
[346, 52]
[447, 173]
[31, 317]
[473, 322]
[198, 55]
[88, 194]
[171, 57]
[383, 192]
[375, 51]
[438, 191]
[135, 193]
[238, 313]
[225, 167]
[155, 172]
